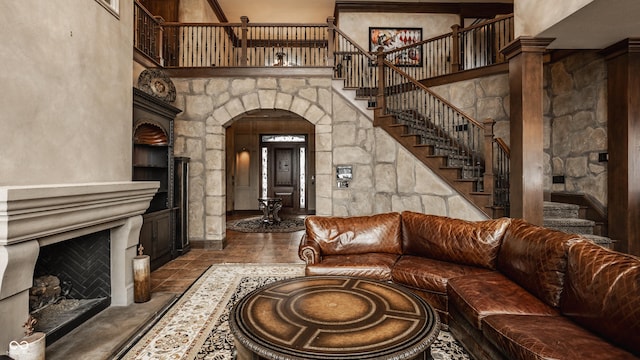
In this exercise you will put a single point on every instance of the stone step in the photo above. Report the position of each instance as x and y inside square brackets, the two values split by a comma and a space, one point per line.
[560, 210]
[570, 225]
[600, 240]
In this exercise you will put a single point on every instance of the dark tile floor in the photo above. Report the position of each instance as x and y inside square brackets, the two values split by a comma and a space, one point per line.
[103, 335]
[262, 248]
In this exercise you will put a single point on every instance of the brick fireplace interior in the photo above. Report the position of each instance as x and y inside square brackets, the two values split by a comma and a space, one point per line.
[72, 282]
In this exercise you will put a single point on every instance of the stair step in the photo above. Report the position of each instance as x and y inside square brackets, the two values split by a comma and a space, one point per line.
[570, 225]
[560, 210]
[600, 240]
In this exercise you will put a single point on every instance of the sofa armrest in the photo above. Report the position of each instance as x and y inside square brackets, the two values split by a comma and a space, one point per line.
[309, 250]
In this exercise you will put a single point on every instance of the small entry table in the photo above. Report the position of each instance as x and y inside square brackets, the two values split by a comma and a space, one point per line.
[270, 208]
[333, 317]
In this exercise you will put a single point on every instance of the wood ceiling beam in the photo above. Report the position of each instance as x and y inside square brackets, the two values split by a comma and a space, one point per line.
[465, 10]
[217, 9]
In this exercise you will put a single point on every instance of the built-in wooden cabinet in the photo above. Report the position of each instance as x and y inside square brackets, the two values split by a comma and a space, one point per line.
[153, 161]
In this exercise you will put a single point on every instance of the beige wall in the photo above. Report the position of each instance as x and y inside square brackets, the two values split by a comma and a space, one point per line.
[65, 112]
[198, 11]
[356, 25]
[531, 17]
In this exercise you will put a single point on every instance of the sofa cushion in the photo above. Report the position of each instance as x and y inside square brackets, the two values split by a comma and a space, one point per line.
[547, 337]
[356, 235]
[429, 274]
[480, 295]
[453, 240]
[536, 259]
[602, 293]
[372, 265]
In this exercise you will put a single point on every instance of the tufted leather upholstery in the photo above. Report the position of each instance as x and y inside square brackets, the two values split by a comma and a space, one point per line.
[370, 265]
[355, 235]
[507, 289]
[477, 296]
[602, 293]
[548, 337]
[419, 273]
[469, 243]
[536, 259]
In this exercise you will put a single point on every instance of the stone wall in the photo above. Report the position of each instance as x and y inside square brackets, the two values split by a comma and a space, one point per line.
[575, 109]
[481, 98]
[386, 176]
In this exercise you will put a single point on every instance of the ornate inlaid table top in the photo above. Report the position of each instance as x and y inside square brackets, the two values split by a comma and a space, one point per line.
[333, 317]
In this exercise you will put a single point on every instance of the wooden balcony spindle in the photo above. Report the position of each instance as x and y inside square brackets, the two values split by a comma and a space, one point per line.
[380, 99]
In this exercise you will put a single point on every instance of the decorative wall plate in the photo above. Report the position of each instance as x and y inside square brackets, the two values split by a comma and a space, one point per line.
[156, 82]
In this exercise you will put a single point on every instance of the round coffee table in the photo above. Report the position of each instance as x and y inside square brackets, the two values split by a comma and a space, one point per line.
[333, 317]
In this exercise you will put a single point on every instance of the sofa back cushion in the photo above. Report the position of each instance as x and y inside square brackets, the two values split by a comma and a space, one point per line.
[356, 235]
[454, 240]
[602, 293]
[536, 259]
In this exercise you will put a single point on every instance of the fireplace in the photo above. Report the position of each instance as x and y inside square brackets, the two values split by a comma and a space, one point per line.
[63, 219]
[72, 282]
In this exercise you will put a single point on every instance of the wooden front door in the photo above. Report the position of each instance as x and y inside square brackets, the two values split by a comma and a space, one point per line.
[283, 175]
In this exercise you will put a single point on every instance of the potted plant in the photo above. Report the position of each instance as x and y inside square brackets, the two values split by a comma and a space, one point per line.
[32, 346]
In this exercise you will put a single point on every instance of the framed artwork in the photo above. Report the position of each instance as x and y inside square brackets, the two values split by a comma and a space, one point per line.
[394, 38]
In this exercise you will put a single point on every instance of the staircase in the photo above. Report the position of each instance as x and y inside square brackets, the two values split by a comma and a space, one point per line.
[566, 218]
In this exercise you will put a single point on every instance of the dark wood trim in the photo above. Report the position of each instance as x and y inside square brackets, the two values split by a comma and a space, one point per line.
[623, 127]
[466, 75]
[527, 128]
[323, 71]
[217, 9]
[465, 10]
[144, 59]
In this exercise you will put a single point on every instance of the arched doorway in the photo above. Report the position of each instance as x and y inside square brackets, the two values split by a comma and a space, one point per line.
[270, 153]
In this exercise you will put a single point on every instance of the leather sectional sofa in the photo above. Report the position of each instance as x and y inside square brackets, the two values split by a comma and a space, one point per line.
[507, 289]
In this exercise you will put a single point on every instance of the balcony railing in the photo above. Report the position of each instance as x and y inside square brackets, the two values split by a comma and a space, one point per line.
[147, 35]
[312, 45]
[245, 44]
[462, 49]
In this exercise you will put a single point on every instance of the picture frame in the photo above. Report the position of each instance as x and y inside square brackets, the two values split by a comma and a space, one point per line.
[391, 38]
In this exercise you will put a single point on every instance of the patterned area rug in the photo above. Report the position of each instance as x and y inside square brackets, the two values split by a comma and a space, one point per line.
[196, 327]
[255, 224]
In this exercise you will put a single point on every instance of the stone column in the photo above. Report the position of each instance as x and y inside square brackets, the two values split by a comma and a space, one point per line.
[527, 135]
[623, 124]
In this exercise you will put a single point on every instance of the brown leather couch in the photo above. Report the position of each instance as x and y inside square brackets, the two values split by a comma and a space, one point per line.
[507, 289]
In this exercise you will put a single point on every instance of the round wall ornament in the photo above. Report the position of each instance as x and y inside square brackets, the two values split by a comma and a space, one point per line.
[156, 82]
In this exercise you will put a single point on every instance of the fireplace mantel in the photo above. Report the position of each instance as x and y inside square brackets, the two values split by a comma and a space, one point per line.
[40, 215]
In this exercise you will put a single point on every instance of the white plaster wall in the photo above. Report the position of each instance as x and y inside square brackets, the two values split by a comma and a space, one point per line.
[531, 17]
[65, 109]
[356, 25]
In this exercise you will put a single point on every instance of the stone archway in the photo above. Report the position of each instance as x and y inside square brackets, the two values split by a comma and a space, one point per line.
[213, 104]
[244, 160]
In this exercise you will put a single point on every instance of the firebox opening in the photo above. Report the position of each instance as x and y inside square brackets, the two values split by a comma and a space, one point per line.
[72, 283]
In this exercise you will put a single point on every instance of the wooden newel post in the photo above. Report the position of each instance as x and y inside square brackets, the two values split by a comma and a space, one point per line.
[455, 49]
[244, 58]
[488, 158]
[141, 277]
[331, 40]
